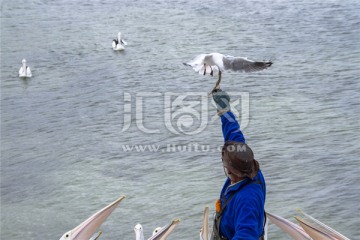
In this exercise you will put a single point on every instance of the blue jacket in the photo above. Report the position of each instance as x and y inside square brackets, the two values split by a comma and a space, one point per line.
[243, 217]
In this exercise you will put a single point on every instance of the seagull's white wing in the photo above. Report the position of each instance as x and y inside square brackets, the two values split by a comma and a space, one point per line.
[240, 64]
[28, 72]
[198, 60]
[25, 72]
[20, 71]
[197, 63]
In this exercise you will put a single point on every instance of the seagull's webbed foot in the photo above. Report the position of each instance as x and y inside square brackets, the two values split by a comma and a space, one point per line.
[212, 71]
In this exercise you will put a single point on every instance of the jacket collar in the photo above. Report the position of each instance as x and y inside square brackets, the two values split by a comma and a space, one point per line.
[236, 186]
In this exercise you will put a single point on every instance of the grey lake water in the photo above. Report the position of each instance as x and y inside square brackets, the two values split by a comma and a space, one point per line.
[93, 124]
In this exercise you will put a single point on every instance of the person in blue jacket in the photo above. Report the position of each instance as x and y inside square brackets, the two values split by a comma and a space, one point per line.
[240, 210]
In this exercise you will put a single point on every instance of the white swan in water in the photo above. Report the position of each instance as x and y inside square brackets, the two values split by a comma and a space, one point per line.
[24, 70]
[119, 43]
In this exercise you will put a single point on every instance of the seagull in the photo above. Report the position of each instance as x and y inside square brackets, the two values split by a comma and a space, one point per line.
[119, 43]
[86, 229]
[24, 70]
[160, 233]
[217, 61]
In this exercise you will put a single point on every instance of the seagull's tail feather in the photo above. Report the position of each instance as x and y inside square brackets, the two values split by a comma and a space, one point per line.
[270, 59]
[259, 66]
[263, 64]
[268, 64]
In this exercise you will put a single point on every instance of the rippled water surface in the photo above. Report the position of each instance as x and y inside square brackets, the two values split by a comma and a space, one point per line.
[63, 131]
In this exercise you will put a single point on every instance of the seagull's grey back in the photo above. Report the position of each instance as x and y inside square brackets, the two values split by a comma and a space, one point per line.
[240, 64]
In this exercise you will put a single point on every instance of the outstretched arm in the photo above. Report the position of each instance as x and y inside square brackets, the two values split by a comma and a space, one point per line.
[230, 127]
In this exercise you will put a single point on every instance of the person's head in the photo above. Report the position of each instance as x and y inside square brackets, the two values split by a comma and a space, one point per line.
[238, 161]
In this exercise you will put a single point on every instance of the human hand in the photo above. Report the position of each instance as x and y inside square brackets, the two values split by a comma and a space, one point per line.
[222, 100]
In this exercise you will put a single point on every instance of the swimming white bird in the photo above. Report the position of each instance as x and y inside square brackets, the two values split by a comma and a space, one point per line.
[119, 43]
[86, 229]
[24, 70]
[217, 61]
[160, 233]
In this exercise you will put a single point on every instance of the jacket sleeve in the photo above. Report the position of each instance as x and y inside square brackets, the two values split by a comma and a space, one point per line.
[231, 128]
